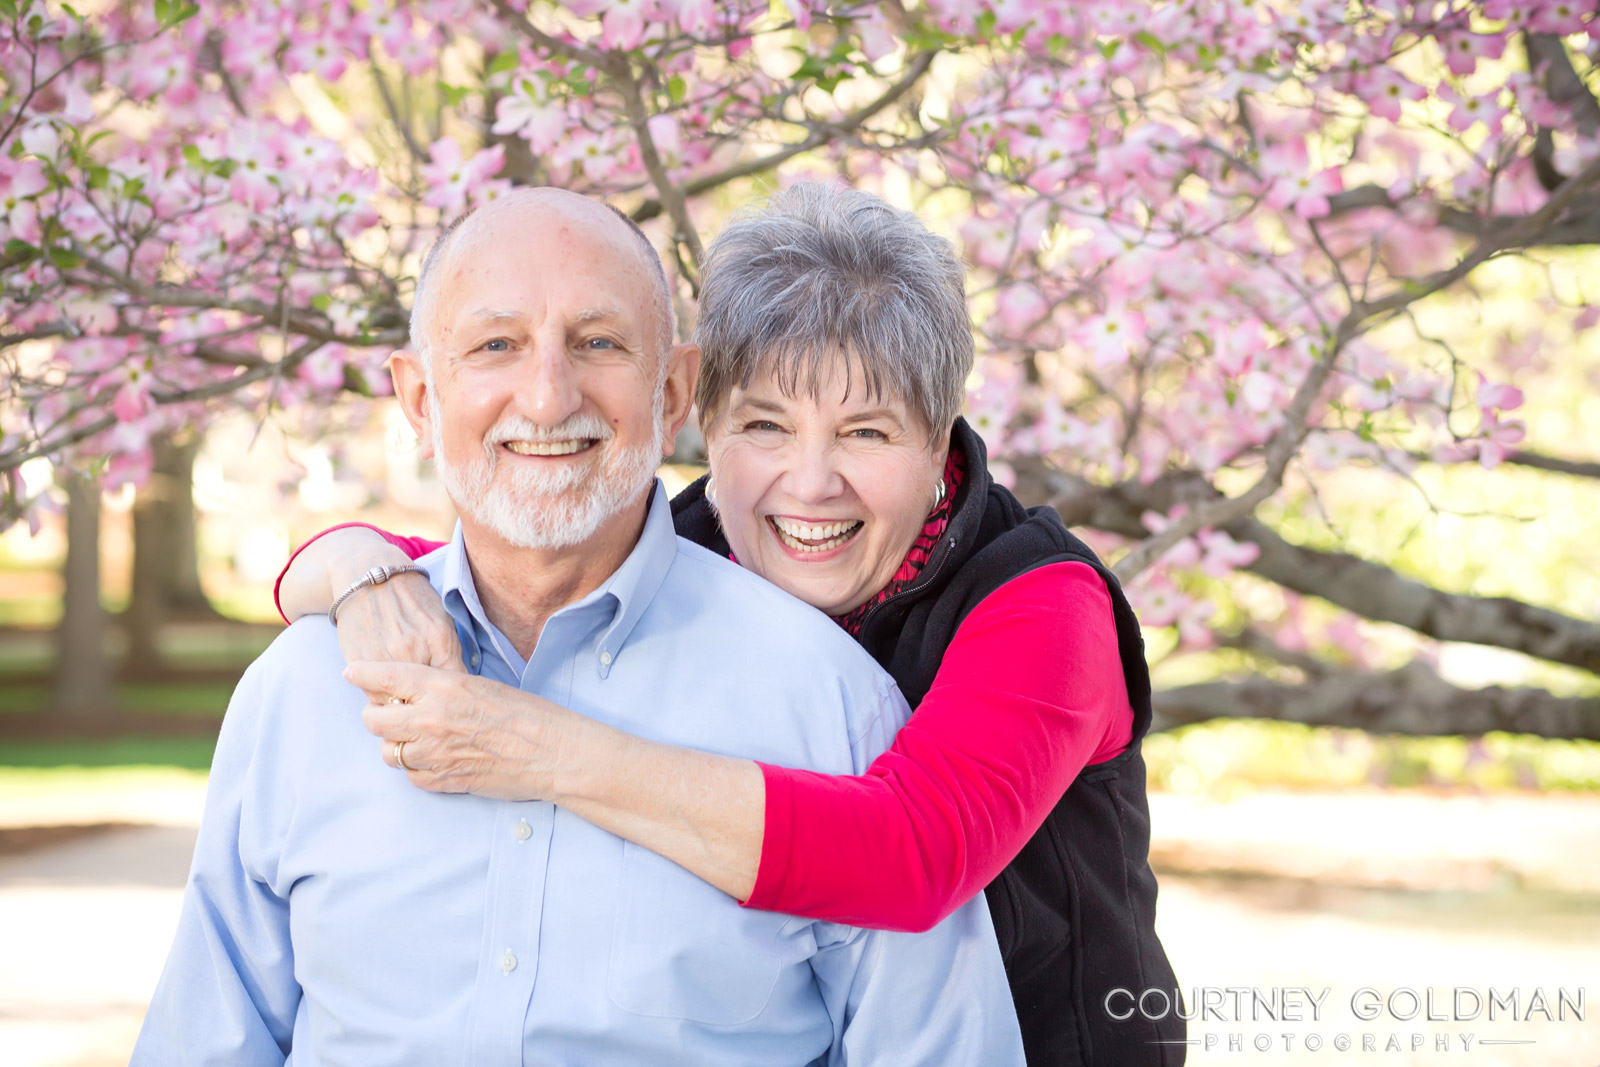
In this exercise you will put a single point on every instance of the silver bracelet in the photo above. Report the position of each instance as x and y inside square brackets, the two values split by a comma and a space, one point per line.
[376, 576]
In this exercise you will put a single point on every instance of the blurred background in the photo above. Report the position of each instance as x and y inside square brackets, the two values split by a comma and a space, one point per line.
[1289, 308]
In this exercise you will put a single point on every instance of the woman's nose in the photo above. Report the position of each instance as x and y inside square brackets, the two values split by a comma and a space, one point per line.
[814, 476]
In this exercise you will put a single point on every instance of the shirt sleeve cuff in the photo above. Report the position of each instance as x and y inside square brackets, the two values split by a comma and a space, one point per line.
[776, 838]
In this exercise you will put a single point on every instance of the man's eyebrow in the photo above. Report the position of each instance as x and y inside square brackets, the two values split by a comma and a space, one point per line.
[487, 315]
[596, 313]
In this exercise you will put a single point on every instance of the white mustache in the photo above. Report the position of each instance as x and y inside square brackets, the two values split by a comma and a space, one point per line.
[577, 427]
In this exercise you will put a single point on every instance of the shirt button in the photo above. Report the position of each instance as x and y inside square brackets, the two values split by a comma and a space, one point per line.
[476, 659]
[508, 962]
[524, 831]
[605, 659]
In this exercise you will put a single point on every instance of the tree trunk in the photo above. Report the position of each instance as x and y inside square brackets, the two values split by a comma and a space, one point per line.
[82, 686]
[184, 595]
[166, 560]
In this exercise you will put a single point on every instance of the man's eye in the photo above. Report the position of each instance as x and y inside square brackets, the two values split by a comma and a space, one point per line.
[599, 344]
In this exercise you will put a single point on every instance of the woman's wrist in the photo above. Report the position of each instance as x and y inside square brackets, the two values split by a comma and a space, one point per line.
[328, 565]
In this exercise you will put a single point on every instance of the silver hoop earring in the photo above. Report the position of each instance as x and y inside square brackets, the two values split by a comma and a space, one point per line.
[938, 494]
[711, 492]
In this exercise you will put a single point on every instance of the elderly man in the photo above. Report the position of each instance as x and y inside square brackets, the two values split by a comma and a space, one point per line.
[337, 914]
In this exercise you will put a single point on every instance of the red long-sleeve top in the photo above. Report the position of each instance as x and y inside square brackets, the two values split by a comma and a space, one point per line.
[1029, 692]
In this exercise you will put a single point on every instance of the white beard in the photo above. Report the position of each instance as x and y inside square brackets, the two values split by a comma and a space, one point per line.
[555, 508]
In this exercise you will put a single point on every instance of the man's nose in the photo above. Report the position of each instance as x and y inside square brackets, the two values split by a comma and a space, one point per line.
[550, 391]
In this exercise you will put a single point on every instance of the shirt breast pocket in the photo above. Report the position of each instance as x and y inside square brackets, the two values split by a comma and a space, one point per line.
[683, 949]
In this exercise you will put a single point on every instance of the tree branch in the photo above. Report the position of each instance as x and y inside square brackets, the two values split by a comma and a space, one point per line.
[1561, 80]
[1369, 589]
[671, 196]
[550, 44]
[1413, 700]
[1578, 468]
[819, 136]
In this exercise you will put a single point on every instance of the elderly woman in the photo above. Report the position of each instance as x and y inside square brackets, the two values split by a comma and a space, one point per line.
[835, 347]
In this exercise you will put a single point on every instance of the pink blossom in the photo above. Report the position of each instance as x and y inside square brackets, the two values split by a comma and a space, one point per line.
[324, 368]
[313, 53]
[1111, 337]
[1157, 601]
[41, 139]
[1021, 307]
[1463, 49]
[1224, 555]
[526, 111]
[20, 179]
[1194, 633]
[1497, 395]
[1499, 440]
[694, 17]
[877, 36]
[622, 22]
[380, 21]
[1586, 318]
[452, 180]
[1383, 89]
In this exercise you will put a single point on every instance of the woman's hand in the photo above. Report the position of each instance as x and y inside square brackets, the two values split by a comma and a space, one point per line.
[464, 734]
[402, 620]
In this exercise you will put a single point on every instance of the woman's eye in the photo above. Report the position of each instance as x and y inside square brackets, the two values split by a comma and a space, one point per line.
[499, 344]
[761, 425]
[868, 433]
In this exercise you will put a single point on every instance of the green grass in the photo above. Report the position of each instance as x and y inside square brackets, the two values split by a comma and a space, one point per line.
[205, 700]
[18, 758]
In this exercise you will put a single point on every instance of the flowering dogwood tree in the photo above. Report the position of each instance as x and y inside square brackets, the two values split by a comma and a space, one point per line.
[1203, 236]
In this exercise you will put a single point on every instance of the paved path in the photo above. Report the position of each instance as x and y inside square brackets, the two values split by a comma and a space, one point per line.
[1302, 890]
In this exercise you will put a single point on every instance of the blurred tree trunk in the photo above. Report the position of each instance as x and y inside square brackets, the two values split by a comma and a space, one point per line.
[166, 559]
[82, 686]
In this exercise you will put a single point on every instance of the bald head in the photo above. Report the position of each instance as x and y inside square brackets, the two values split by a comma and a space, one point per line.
[523, 214]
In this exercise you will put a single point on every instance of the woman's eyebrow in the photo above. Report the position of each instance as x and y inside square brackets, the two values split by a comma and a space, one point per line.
[874, 413]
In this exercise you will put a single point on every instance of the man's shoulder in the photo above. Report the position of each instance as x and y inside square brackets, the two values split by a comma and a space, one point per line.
[744, 601]
[305, 653]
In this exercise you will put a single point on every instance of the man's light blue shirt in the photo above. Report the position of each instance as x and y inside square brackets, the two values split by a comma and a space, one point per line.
[337, 914]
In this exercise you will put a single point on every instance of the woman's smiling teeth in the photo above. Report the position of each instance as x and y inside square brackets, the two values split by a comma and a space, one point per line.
[548, 448]
[813, 537]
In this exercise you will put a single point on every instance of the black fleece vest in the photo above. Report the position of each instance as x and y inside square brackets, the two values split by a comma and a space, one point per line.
[1075, 911]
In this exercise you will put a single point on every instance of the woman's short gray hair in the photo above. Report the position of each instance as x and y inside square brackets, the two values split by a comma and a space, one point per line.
[821, 273]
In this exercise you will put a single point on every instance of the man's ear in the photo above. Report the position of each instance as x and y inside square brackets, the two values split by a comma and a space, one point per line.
[411, 389]
[683, 370]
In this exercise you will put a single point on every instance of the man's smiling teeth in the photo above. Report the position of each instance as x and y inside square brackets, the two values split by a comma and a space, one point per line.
[547, 448]
[808, 537]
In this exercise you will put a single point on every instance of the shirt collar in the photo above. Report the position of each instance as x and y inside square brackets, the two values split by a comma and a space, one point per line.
[631, 587]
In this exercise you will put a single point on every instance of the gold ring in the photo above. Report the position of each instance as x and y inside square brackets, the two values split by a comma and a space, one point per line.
[396, 700]
[400, 756]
